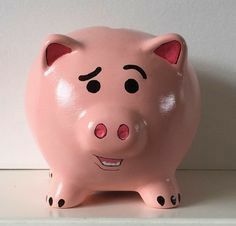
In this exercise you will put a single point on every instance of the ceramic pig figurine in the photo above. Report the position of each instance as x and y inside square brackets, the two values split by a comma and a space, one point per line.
[113, 110]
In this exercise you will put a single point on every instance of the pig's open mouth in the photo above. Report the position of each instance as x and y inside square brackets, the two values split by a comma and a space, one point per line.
[109, 162]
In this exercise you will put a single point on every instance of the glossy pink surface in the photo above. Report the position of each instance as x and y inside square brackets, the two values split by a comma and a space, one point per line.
[113, 109]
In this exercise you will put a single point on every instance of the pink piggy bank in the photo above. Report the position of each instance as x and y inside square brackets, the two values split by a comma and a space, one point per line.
[113, 110]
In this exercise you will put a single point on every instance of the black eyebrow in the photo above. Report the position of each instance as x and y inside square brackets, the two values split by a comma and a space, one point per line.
[90, 75]
[136, 67]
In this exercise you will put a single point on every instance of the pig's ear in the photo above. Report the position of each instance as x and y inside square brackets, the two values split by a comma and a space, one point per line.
[171, 48]
[57, 46]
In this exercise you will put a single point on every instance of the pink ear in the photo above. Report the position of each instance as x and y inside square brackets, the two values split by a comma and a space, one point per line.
[170, 51]
[54, 51]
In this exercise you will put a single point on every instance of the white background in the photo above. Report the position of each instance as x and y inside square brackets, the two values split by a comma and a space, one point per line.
[209, 28]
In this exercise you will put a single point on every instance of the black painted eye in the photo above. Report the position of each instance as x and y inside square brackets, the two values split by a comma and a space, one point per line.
[131, 86]
[93, 86]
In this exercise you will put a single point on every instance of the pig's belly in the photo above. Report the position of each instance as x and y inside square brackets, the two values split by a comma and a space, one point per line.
[126, 179]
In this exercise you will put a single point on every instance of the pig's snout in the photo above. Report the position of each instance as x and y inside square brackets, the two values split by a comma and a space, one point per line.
[110, 130]
[101, 131]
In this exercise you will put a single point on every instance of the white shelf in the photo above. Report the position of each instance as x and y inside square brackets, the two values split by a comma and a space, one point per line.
[209, 198]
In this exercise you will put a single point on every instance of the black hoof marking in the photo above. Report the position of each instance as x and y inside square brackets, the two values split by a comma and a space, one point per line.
[173, 199]
[179, 197]
[50, 200]
[161, 200]
[61, 202]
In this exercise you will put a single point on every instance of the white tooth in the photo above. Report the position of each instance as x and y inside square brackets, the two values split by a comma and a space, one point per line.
[111, 163]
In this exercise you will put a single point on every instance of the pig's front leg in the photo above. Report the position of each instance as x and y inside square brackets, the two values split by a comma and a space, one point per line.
[64, 194]
[161, 194]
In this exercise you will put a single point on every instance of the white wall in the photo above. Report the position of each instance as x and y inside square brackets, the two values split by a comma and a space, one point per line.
[209, 28]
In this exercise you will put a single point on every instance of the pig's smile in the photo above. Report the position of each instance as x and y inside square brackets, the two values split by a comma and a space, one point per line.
[109, 162]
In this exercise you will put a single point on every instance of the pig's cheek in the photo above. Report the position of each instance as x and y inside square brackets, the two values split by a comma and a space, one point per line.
[84, 130]
[167, 103]
[64, 93]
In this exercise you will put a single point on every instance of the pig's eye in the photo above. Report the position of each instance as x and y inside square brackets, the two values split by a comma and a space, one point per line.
[131, 86]
[93, 86]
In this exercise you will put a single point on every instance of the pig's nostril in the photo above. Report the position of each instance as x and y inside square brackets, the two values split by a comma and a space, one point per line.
[123, 132]
[100, 131]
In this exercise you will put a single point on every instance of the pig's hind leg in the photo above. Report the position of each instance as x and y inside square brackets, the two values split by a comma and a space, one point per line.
[63, 194]
[161, 194]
